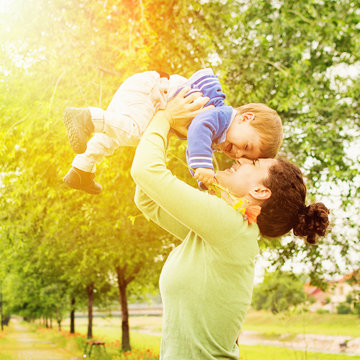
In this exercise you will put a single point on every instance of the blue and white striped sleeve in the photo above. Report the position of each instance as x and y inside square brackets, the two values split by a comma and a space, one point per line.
[195, 162]
[211, 87]
[208, 84]
[204, 129]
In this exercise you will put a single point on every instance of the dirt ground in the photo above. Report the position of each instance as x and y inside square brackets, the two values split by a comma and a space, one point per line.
[22, 344]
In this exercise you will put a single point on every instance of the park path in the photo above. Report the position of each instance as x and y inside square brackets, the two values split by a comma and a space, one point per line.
[22, 344]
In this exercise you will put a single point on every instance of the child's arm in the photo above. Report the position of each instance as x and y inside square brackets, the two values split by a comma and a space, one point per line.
[205, 129]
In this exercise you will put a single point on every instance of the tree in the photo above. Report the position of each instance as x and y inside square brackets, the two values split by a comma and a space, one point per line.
[68, 234]
[66, 52]
[278, 292]
[288, 55]
[133, 248]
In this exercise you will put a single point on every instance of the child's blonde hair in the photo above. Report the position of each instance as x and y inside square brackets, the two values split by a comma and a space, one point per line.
[267, 123]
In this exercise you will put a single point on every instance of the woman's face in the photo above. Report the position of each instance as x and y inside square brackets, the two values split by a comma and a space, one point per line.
[245, 176]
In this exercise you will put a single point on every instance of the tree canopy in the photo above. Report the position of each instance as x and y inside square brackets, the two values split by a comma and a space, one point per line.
[301, 58]
[279, 292]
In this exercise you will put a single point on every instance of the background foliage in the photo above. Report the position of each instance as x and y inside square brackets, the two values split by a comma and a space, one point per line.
[299, 57]
[279, 292]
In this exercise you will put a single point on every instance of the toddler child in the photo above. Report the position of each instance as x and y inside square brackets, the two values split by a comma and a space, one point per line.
[251, 131]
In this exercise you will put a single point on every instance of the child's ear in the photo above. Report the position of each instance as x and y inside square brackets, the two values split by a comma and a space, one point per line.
[248, 116]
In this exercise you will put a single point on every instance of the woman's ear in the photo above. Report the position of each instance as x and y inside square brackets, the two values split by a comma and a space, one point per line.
[260, 192]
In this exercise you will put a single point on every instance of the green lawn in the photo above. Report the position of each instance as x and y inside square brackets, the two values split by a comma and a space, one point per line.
[142, 341]
[306, 323]
[275, 353]
[262, 322]
[109, 329]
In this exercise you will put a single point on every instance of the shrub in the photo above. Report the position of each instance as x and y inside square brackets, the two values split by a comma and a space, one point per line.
[322, 311]
[279, 292]
[343, 308]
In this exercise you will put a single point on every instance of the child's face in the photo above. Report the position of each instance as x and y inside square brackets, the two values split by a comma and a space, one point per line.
[242, 140]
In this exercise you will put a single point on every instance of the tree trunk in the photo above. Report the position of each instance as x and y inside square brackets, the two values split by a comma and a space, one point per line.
[90, 292]
[125, 341]
[58, 317]
[51, 322]
[72, 316]
[46, 322]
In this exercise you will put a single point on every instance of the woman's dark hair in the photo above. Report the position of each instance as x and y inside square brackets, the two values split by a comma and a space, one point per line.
[286, 209]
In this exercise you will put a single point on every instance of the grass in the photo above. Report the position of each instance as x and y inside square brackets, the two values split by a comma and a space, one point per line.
[145, 347]
[4, 343]
[275, 353]
[305, 323]
[143, 343]
[269, 325]
[109, 330]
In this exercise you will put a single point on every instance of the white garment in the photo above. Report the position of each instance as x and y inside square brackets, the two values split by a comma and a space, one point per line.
[127, 116]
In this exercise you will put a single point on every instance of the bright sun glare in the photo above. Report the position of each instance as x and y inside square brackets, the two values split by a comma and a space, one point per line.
[6, 6]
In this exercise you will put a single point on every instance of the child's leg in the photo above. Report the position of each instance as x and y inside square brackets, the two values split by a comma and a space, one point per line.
[131, 108]
[81, 175]
[124, 121]
[82, 180]
[99, 146]
[78, 126]
[176, 82]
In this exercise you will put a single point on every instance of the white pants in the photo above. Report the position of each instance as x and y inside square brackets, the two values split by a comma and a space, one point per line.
[127, 116]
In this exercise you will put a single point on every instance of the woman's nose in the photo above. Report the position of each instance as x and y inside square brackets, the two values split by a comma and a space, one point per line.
[243, 161]
[238, 153]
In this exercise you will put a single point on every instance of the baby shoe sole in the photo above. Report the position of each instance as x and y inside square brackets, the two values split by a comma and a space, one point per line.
[77, 138]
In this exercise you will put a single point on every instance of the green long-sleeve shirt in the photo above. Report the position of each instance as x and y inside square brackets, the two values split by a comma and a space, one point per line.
[206, 283]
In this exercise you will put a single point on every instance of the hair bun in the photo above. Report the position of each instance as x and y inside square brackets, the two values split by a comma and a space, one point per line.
[313, 221]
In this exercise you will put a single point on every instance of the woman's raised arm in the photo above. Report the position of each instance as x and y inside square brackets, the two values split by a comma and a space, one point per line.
[159, 216]
[198, 211]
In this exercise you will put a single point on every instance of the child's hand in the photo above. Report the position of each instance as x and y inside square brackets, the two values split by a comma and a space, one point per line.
[207, 176]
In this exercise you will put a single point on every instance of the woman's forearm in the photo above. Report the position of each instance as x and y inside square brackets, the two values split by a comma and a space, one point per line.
[151, 151]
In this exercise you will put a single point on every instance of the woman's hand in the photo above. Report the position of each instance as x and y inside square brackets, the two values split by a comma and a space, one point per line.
[181, 110]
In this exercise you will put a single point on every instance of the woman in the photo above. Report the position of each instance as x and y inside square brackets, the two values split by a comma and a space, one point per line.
[206, 283]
